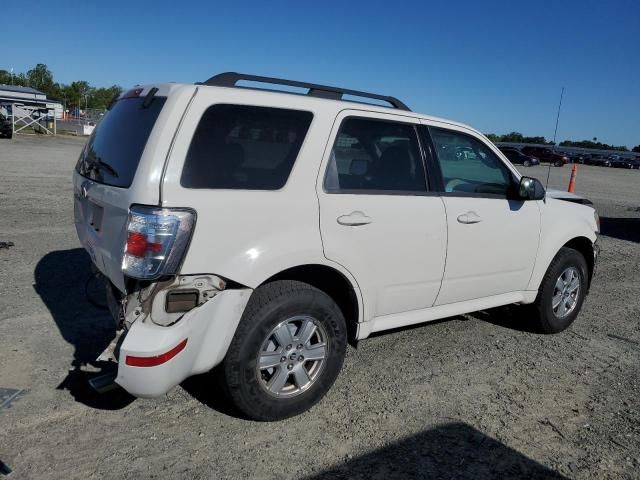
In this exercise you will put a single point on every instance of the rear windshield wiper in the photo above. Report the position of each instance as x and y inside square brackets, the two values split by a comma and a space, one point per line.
[96, 165]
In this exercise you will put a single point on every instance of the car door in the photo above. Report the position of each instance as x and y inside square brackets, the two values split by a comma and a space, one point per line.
[492, 236]
[378, 217]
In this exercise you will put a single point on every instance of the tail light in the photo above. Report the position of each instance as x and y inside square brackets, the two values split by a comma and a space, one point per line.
[157, 239]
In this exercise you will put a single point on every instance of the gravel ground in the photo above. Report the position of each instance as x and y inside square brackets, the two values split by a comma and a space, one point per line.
[476, 396]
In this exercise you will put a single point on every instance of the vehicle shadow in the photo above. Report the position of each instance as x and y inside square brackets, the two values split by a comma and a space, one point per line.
[455, 450]
[63, 279]
[207, 388]
[624, 228]
[514, 317]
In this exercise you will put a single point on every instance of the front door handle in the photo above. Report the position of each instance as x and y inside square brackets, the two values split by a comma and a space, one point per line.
[469, 217]
[354, 219]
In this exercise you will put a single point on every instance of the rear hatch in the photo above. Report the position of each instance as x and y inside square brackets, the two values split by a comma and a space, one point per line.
[105, 181]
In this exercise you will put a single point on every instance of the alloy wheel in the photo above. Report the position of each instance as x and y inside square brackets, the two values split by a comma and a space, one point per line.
[566, 292]
[292, 356]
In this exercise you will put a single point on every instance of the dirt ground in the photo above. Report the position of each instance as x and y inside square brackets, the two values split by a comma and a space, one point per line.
[477, 396]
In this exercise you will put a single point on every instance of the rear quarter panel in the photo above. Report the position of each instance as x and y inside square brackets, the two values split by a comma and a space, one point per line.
[250, 235]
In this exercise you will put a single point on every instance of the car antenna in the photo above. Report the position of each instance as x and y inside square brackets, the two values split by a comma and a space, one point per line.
[553, 150]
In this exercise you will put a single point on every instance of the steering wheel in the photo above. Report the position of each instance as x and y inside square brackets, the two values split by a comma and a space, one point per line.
[452, 184]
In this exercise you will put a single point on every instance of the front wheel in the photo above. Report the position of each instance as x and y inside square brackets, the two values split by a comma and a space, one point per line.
[562, 291]
[287, 351]
[559, 163]
[527, 163]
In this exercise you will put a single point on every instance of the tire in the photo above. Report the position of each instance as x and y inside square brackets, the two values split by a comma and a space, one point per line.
[527, 163]
[548, 319]
[284, 307]
[559, 163]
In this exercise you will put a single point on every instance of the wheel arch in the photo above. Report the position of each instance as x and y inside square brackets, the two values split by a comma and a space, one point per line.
[581, 243]
[585, 247]
[334, 283]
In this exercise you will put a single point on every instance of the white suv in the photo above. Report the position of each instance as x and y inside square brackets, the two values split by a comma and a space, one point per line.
[261, 230]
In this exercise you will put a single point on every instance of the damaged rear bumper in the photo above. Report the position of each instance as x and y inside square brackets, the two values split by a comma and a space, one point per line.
[152, 358]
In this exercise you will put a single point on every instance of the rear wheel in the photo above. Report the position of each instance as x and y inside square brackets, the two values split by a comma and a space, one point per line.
[561, 292]
[558, 163]
[287, 351]
[527, 163]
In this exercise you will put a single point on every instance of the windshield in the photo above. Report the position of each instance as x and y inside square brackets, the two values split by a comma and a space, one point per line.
[114, 149]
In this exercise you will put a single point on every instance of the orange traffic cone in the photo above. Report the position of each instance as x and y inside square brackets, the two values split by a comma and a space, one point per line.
[572, 180]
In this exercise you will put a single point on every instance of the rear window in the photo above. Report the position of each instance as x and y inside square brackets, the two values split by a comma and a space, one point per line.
[114, 149]
[244, 147]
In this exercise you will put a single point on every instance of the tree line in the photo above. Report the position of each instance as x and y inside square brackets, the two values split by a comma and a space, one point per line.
[76, 94]
[81, 94]
[517, 137]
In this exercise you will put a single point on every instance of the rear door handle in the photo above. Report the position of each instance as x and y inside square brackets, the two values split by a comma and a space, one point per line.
[354, 219]
[469, 217]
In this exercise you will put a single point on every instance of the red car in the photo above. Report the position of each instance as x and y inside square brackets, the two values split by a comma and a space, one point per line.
[546, 155]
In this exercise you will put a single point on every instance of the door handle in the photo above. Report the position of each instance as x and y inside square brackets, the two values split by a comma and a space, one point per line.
[469, 217]
[354, 219]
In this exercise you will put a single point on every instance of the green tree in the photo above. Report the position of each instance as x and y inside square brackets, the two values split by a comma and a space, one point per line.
[636, 149]
[515, 137]
[100, 98]
[40, 78]
[77, 94]
[21, 80]
[539, 140]
[5, 77]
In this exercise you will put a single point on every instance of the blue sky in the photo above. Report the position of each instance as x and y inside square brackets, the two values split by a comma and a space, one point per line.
[496, 65]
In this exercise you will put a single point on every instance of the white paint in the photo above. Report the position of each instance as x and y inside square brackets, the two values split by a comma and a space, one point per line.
[413, 262]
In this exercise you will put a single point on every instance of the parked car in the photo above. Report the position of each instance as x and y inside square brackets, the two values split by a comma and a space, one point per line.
[261, 231]
[598, 161]
[516, 157]
[620, 162]
[579, 157]
[546, 155]
[635, 162]
[6, 128]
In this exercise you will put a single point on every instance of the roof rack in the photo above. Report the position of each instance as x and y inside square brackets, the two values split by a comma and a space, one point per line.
[230, 79]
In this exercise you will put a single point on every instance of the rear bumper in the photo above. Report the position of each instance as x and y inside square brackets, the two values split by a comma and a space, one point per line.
[208, 331]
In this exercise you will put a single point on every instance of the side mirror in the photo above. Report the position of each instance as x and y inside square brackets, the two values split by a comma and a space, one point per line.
[531, 189]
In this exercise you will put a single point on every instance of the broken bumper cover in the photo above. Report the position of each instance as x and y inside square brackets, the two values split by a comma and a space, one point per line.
[153, 359]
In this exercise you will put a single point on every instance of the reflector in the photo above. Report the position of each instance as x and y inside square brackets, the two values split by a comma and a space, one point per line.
[154, 361]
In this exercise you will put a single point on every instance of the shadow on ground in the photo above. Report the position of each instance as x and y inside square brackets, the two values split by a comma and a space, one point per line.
[61, 280]
[449, 451]
[207, 389]
[514, 317]
[622, 228]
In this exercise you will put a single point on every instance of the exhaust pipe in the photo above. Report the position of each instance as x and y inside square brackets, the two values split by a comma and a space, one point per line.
[104, 383]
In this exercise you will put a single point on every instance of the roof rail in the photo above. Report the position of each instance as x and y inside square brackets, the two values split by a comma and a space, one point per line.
[230, 79]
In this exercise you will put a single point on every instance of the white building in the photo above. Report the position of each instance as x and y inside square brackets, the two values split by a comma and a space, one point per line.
[15, 96]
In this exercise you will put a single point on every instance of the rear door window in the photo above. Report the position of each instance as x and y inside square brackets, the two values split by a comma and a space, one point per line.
[244, 147]
[113, 151]
[375, 156]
